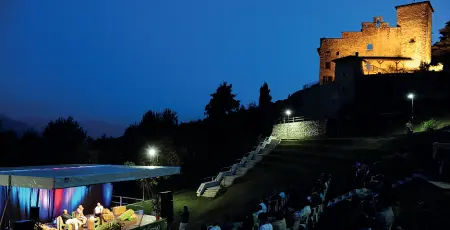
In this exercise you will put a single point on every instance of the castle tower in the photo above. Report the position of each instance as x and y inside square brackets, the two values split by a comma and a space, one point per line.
[415, 22]
[383, 48]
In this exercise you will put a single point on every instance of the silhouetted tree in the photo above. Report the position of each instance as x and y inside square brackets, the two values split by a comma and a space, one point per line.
[8, 148]
[265, 99]
[156, 124]
[222, 102]
[65, 141]
[265, 110]
[29, 145]
[441, 49]
[252, 105]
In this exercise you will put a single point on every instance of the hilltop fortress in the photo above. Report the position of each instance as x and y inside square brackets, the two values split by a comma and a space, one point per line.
[383, 49]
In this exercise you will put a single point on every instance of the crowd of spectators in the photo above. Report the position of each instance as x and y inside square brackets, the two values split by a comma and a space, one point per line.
[278, 211]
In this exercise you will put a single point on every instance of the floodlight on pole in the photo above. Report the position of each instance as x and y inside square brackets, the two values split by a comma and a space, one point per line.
[151, 151]
[288, 112]
[411, 96]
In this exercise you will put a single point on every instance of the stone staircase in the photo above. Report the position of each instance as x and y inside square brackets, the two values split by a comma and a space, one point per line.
[228, 180]
[211, 192]
[226, 176]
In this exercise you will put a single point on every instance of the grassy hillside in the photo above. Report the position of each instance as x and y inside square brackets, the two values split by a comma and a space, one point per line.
[293, 163]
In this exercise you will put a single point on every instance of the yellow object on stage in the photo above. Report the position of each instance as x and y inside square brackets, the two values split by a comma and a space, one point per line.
[119, 210]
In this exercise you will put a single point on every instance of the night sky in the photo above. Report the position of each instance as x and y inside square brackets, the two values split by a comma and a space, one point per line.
[112, 60]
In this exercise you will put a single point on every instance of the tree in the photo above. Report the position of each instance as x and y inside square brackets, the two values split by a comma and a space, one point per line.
[441, 49]
[65, 141]
[264, 96]
[222, 102]
[30, 143]
[158, 124]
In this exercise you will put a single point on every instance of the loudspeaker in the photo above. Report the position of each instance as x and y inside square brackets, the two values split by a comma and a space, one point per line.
[34, 213]
[24, 225]
[167, 205]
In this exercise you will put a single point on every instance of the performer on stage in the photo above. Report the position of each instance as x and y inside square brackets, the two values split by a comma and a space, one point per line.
[80, 214]
[67, 219]
[98, 210]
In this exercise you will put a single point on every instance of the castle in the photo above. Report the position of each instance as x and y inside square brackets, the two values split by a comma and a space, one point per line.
[383, 49]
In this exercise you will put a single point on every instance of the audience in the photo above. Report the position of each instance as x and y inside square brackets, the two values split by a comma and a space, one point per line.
[248, 223]
[305, 211]
[264, 220]
[214, 226]
[263, 205]
[384, 215]
[228, 224]
[280, 223]
[290, 219]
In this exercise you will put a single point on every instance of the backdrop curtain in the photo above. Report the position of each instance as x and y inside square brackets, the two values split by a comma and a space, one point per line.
[68, 198]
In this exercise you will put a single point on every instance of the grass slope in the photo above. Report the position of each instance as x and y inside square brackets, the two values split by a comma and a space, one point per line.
[296, 163]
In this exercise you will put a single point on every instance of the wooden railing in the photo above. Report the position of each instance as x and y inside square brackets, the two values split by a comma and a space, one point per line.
[290, 119]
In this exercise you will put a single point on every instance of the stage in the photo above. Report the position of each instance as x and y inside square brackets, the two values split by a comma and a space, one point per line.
[43, 192]
[128, 225]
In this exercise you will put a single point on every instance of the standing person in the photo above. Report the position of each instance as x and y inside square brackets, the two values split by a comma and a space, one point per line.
[409, 128]
[184, 218]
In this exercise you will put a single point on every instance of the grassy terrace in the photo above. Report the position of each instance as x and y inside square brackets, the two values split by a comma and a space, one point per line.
[293, 163]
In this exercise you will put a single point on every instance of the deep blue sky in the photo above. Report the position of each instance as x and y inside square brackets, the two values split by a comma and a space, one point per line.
[112, 60]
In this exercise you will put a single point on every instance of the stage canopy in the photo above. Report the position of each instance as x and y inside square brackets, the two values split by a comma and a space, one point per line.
[66, 176]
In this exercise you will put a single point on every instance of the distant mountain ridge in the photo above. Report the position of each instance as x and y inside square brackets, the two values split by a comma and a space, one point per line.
[93, 128]
[18, 127]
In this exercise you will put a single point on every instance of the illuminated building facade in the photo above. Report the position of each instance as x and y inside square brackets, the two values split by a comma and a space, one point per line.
[383, 49]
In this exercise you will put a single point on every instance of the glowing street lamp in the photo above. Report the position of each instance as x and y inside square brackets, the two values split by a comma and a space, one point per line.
[411, 97]
[152, 152]
[288, 113]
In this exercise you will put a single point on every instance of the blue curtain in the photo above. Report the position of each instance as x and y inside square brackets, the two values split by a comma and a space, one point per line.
[52, 203]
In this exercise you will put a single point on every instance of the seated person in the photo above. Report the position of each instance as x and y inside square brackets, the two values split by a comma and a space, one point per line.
[79, 214]
[67, 219]
[98, 210]
[306, 210]
[263, 206]
[264, 222]
[280, 223]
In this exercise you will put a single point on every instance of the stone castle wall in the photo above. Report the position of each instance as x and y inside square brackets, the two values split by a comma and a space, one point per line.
[299, 130]
[410, 38]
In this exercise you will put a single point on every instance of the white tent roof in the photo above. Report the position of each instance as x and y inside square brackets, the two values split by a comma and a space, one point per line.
[65, 176]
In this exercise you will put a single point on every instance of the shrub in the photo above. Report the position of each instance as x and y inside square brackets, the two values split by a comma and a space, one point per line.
[430, 125]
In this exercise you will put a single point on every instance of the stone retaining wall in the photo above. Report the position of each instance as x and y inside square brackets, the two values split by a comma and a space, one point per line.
[299, 130]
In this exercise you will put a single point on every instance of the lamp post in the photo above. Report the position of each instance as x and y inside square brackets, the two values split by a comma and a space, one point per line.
[153, 153]
[411, 97]
[288, 113]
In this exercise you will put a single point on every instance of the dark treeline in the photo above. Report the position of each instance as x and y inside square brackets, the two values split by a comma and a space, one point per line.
[201, 147]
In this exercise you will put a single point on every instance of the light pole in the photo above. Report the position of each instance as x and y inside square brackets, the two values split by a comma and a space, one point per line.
[153, 153]
[288, 113]
[411, 96]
